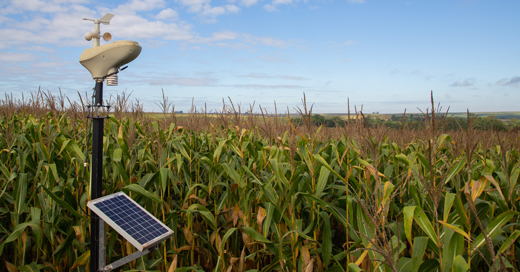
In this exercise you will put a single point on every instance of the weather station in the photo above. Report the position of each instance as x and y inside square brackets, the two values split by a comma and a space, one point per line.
[118, 210]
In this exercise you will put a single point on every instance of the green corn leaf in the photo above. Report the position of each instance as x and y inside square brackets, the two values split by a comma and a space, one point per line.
[63, 146]
[423, 160]
[322, 181]
[514, 177]
[459, 207]
[231, 172]
[416, 196]
[229, 232]
[63, 204]
[65, 247]
[429, 265]
[455, 169]
[441, 141]
[180, 162]
[403, 158]
[269, 207]
[340, 215]
[32, 267]
[54, 172]
[326, 249]
[255, 235]
[163, 174]
[278, 172]
[453, 245]
[405, 264]
[206, 215]
[419, 247]
[460, 265]
[81, 260]
[509, 241]
[136, 188]
[456, 229]
[21, 192]
[448, 203]
[493, 229]
[408, 212]
[425, 224]
[218, 151]
[352, 267]
[181, 149]
[117, 155]
[19, 229]
[497, 186]
[388, 190]
[324, 163]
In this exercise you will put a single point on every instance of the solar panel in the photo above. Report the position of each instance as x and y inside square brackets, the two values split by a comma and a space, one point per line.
[130, 220]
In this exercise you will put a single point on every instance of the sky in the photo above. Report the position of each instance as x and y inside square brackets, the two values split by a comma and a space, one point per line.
[383, 56]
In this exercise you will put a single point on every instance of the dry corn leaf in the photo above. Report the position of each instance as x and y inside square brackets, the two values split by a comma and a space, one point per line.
[173, 266]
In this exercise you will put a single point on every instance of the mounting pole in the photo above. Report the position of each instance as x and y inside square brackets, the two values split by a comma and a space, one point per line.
[97, 232]
[102, 61]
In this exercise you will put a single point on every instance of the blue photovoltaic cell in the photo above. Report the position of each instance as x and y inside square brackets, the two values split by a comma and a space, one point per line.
[140, 225]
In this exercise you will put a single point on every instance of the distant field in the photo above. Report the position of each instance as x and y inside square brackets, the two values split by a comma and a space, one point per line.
[505, 116]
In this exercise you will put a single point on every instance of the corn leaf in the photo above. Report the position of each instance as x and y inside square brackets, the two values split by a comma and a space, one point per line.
[419, 247]
[136, 188]
[460, 265]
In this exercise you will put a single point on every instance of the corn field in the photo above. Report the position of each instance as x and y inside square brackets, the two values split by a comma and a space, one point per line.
[261, 195]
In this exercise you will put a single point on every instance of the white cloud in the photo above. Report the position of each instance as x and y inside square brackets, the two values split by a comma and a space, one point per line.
[141, 5]
[167, 14]
[37, 48]
[206, 11]
[213, 11]
[225, 35]
[348, 43]
[248, 3]
[268, 41]
[37, 32]
[51, 64]
[232, 8]
[133, 26]
[37, 5]
[278, 2]
[239, 41]
[270, 8]
[17, 57]
[194, 5]
[356, 1]
[514, 81]
[469, 82]
[273, 6]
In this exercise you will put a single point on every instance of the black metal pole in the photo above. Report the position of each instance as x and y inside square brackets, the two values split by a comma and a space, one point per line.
[96, 188]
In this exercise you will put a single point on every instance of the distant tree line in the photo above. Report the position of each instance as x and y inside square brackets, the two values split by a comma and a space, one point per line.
[417, 121]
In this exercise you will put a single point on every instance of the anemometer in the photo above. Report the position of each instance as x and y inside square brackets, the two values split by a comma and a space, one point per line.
[145, 231]
[95, 33]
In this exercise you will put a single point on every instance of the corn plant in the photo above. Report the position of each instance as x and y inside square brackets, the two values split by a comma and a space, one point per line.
[241, 197]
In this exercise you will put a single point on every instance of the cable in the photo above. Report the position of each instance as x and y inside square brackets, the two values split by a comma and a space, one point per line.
[88, 129]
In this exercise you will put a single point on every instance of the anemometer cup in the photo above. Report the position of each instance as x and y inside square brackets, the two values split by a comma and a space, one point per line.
[105, 59]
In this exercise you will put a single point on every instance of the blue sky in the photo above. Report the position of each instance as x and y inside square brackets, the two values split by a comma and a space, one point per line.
[383, 56]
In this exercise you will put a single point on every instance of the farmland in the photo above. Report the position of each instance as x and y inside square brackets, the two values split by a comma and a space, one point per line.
[259, 193]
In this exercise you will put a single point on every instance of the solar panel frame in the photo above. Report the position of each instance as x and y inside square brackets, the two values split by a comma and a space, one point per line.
[108, 217]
